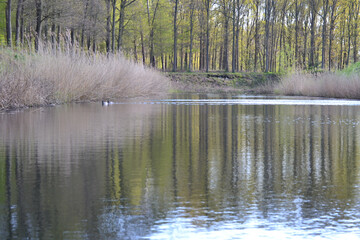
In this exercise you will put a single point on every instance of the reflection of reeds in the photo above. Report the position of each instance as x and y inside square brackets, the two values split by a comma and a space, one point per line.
[321, 85]
[28, 79]
[62, 134]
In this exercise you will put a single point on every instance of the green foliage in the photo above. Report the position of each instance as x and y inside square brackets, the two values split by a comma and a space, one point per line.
[2, 23]
[351, 69]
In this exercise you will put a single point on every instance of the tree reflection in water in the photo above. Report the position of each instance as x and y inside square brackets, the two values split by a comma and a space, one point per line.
[158, 170]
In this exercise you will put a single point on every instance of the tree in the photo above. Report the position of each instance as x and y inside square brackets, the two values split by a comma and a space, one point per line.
[19, 22]
[268, 8]
[113, 26]
[39, 11]
[257, 37]
[270, 35]
[8, 23]
[175, 36]
[325, 11]
[207, 8]
[192, 7]
[313, 5]
[124, 4]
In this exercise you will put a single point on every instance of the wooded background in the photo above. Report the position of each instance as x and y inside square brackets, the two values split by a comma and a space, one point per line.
[192, 35]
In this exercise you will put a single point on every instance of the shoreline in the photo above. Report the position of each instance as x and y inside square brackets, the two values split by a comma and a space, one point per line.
[201, 82]
[220, 82]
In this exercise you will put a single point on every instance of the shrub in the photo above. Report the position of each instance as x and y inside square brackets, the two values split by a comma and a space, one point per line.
[57, 77]
[333, 85]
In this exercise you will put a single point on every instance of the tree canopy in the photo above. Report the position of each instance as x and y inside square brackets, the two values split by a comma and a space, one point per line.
[205, 35]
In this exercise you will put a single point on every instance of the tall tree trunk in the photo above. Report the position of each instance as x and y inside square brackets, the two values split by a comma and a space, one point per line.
[281, 34]
[72, 37]
[82, 38]
[108, 25]
[19, 14]
[152, 57]
[142, 47]
[83, 24]
[221, 57]
[38, 5]
[181, 54]
[237, 48]
[296, 33]
[53, 34]
[213, 66]
[175, 37]
[201, 48]
[256, 34]
[152, 29]
[88, 42]
[342, 37]
[186, 63]
[312, 32]
[355, 50]
[201, 56]
[8, 23]
[46, 34]
[191, 34]
[58, 36]
[355, 31]
[162, 62]
[233, 58]
[226, 43]
[333, 9]
[121, 23]
[349, 32]
[273, 45]
[135, 50]
[113, 26]
[94, 44]
[22, 24]
[267, 33]
[323, 35]
[207, 34]
[247, 51]
[241, 61]
[237, 37]
[305, 41]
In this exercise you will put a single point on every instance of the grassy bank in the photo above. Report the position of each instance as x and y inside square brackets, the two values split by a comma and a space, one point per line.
[345, 84]
[223, 82]
[29, 79]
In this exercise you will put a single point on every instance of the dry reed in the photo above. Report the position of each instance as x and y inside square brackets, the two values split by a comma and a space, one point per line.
[332, 85]
[48, 77]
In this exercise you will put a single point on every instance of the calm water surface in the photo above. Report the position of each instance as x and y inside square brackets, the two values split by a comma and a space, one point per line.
[187, 167]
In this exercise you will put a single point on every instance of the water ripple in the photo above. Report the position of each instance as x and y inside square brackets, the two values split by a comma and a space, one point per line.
[317, 102]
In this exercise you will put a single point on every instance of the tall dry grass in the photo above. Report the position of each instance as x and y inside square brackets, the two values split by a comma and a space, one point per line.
[332, 85]
[47, 77]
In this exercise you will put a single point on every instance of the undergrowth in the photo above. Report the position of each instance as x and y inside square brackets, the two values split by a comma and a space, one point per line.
[58, 76]
[344, 84]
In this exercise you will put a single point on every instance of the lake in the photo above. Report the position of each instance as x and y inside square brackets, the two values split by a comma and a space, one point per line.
[182, 167]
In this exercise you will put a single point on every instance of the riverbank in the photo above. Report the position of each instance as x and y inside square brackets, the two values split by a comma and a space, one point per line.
[256, 83]
[342, 84]
[55, 77]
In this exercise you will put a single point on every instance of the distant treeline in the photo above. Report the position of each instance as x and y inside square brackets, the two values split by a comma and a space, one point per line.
[180, 35]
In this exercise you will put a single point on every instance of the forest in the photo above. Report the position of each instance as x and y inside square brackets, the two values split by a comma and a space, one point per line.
[193, 35]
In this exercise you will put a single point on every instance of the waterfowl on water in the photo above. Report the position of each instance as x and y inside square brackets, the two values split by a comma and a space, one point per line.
[106, 103]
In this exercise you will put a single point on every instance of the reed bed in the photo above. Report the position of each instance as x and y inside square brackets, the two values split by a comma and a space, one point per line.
[55, 77]
[331, 85]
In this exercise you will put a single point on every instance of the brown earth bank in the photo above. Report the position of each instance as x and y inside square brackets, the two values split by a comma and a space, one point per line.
[256, 83]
